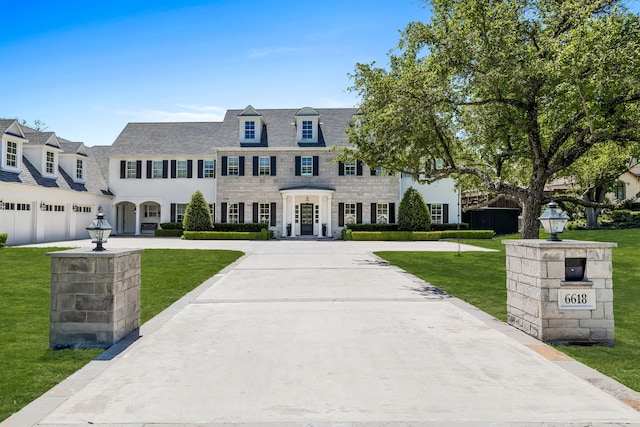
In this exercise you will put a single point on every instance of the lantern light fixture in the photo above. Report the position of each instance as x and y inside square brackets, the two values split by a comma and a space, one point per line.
[553, 220]
[99, 231]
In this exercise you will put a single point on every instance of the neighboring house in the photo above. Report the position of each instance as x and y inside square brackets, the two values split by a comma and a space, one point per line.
[275, 166]
[50, 188]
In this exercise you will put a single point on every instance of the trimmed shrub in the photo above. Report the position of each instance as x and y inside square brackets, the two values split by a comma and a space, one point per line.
[467, 234]
[372, 227]
[230, 226]
[413, 214]
[417, 235]
[263, 234]
[197, 215]
[3, 239]
[449, 226]
[171, 226]
[346, 234]
[168, 233]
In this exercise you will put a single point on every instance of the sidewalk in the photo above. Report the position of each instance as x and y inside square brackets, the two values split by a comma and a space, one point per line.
[326, 334]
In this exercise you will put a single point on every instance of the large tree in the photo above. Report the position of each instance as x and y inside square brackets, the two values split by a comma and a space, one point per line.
[507, 93]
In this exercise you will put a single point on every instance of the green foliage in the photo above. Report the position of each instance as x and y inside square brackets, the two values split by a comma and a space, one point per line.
[507, 94]
[231, 226]
[347, 234]
[3, 239]
[372, 227]
[171, 226]
[449, 226]
[168, 233]
[413, 214]
[197, 215]
[418, 235]
[263, 234]
[467, 234]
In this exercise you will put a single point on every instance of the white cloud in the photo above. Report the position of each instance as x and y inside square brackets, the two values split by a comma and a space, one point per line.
[197, 114]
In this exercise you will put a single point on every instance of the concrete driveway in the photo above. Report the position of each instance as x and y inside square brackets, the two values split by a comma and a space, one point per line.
[326, 334]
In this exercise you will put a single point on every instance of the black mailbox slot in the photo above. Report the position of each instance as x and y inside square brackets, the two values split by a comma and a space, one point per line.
[574, 269]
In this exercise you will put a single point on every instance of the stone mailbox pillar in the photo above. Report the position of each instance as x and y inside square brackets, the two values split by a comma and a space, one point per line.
[95, 297]
[561, 292]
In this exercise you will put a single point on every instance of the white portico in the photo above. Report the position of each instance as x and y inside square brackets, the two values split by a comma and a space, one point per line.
[305, 210]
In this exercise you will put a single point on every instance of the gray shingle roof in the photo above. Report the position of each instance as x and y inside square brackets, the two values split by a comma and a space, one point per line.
[5, 123]
[163, 139]
[35, 137]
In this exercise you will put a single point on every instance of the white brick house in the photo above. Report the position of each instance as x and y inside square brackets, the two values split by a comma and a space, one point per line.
[275, 166]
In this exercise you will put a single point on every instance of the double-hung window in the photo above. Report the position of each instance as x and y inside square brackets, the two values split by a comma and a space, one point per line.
[233, 166]
[79, 169]
[180, 209]
[181, 168]
[307, 129]
[209, 169]
[264, 212]
[250, 130]
[50, 162]
[350, 168]
[157, 169]
[233, 213]
[264, 166]
[382, 213]
[349, 213]
[436, 213]
[132, 169]
[12, 154]
[306, 165]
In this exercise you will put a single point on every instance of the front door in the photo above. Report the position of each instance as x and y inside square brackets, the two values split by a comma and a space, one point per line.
[306, 219]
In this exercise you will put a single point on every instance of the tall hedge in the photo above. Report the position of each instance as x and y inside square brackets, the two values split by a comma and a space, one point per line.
[197, 215]
[413, 214]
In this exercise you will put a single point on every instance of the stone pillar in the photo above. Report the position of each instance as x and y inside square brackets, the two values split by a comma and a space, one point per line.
[561, 292]
[95, 297]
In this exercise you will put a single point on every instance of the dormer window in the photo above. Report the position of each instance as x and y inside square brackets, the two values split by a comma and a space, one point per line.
[249, 130]
[307, 122]
[79, 170]
[251, 123]
[50, 162]
[12, 154]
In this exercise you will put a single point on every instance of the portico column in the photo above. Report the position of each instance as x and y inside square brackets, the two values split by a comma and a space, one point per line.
[293, 216]
[284, 215]
[137, 207]
[329, 232]
[320, 213]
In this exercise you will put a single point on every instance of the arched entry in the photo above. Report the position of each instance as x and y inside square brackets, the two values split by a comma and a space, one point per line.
[306, 211]
[149, 217]
[125, 218]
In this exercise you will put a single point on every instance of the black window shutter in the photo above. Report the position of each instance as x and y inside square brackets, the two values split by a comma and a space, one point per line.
[445, 213]
[224, 165]
[316, 165]
[340, 214]
[272, 211]
[149, 168]
[173, 212]
[373, 213]
[255, 213]
[255, 166]
[241, 168]
[359, 168]
[200, 168]
[123, 169]
[358, 213]
[273, 167]
[214, 168]
[392, 213]
[298, 165]
[213, 212]
[223, 212]
[189, 168]
[429, 209]
[241, 213]
[174, 169]
[340, 169]
[139, 169]
[165, 168]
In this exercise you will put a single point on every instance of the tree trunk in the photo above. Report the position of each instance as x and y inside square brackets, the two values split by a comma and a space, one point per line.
[591, 215]
[597, 195]
[530, 224]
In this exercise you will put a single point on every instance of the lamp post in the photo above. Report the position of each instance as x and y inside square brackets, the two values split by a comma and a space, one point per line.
[553, 220]
[99, 231]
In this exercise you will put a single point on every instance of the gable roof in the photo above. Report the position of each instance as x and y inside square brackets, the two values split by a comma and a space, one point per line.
[11, 127]
[162, 139]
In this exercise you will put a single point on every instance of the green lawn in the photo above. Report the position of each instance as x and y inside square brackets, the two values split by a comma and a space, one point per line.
[480, 279]
[28, 367]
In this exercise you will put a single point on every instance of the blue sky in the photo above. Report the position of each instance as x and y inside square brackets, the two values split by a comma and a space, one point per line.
[88, 68]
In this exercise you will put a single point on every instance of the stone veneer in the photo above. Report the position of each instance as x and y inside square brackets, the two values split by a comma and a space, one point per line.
[95, 297]
[536, 275]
